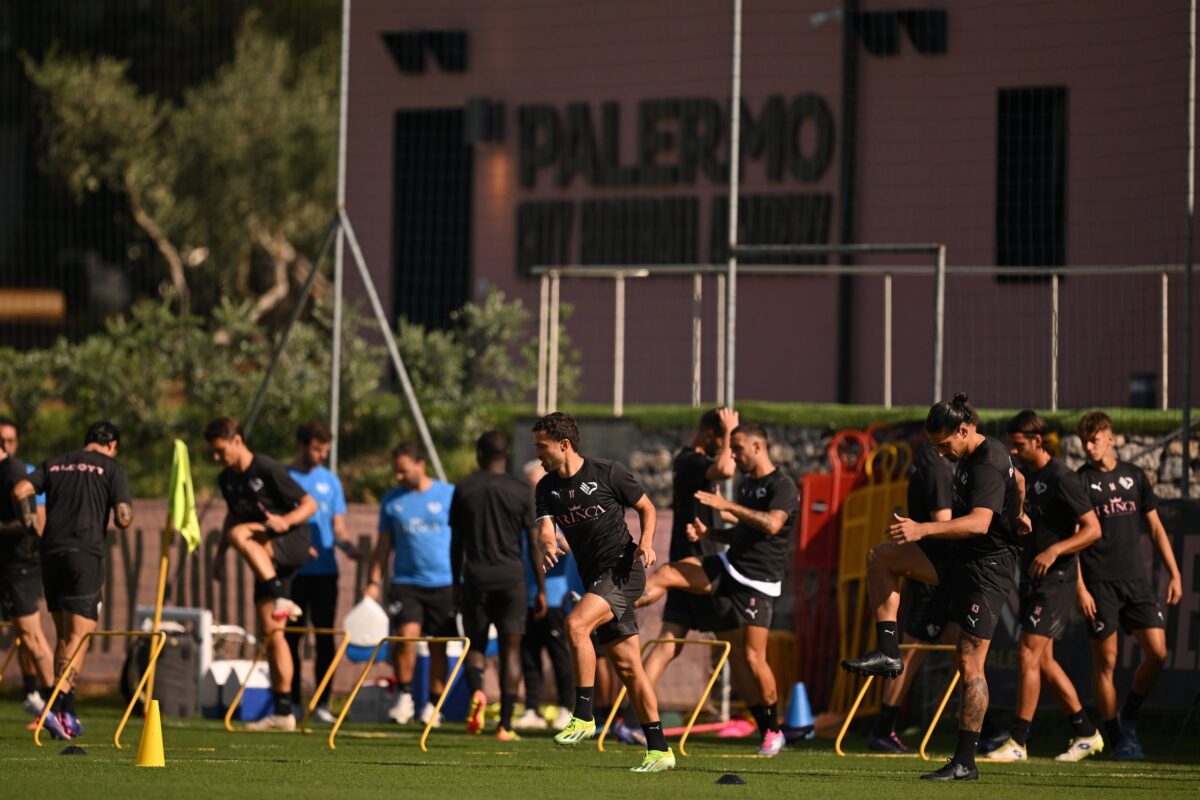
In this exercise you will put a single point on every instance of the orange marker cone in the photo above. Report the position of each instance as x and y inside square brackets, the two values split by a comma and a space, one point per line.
[150, 749]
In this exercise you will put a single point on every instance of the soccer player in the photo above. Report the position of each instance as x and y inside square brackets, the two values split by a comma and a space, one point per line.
[749, 576]
[81, 488]
[265, 523]
[587, 498]
[21, 575]
[1063, 525]
[930, 486]
[414, 524]
[490, 513]
[1113, 587]
[977, 568]
[315, 587]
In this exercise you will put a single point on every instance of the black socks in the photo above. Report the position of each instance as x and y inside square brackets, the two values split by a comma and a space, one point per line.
[1019, 732]
[275, 588]
[655, 739]
[583, 702]
[507, 701]
[283, 703]
[30, 682]
[1112, 731]
[475, 679]
[1133, 704]
[964, 752]
[888, 638]
[885, 723]
[1082, 724]
[766, 718]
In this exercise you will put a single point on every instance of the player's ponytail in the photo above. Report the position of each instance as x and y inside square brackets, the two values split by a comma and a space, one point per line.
[948, 415]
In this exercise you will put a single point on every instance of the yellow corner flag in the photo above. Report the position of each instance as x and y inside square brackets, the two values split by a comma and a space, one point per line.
[182, 498]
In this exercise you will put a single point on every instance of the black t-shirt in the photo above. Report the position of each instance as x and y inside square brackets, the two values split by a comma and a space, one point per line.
[81, 487]
[265, 487]
[589, 507]
[930, 484]
[753, 552]
[488, 516]
[690, 475]
[1054, 501]
[986, 479]
[15, 544]
[1121, 499]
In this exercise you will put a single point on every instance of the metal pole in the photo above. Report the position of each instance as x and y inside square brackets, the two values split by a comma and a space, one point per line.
[721, 339]
[385, 327]
[1187, 270]
[939, 320]
[1054, 342]
[887, 340]
[619, 348]
[1166, 341]
[735, 124]
[697, 308]
[339, 253]
[543, 343]
[552, 377]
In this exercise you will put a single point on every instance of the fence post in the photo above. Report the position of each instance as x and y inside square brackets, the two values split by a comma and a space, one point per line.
[543, 344]
[721, 339]
[887, 340]
[552, 377]
[619, 347]
[1164, 383]
[697, 309]
[939, 320]
[1054, 342]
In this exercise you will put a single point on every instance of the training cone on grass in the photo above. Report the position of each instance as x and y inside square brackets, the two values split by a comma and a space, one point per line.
[799, 715]
[150, 749]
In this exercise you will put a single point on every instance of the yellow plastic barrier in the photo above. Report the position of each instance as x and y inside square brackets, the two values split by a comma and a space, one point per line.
[156, 647]
[937, 715]
[437, 709]
[724, 647]
[325, 679]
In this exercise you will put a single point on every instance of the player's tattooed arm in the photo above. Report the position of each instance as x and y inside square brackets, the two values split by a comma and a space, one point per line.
[769, 522]
[25, 504]
[124, 515]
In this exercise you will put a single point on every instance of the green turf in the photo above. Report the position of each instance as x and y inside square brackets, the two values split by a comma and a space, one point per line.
[203, 759]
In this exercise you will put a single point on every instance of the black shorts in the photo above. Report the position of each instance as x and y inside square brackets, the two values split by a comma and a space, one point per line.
[977, 588]
[1046, 604]
[737, 601]
[620, 587]
[291, 553]
[1130, 604]
[72, 581]
[698, 612]
[505, 607]
[20, 586]
[926, 611]
[430, 606]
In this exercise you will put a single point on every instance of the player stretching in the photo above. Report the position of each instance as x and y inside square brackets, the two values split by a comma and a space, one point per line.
[749, 576]
[1113, 586]
[265, 523]
[977, 568]
[587, 498]
[1063, 525]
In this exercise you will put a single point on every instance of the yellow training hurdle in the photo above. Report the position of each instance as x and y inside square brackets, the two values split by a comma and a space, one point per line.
[937, 716]
[156, 647]
[724, 657]
[325, 679]
[437, 709]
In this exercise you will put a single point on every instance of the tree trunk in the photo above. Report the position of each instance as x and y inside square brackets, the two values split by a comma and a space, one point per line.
[168, 250]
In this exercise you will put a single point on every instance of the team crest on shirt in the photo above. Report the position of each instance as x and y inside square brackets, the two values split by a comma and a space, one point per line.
[256, 484]
[1039, 487]
[434, 507]
[1126, 482]
[323, 487]
[974, 608]
[587, 487]
[962, 478]
[761, 492]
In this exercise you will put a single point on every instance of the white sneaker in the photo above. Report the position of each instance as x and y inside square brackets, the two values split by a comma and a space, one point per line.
[427, 714]
[563, 719]
[323, 714]
[1082, 747]
[285, 609]
[33, 704]
[275, 722]
[402, 710]
[531, 720]
[1009, 751]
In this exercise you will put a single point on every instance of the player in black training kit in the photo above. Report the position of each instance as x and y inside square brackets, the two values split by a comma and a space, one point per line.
[1063, 525]
[587, 498]
[930, 490]
[749, 576]
[489, 514]
[265, 523]
[81, 488]
[977, 568]
[1113, 586]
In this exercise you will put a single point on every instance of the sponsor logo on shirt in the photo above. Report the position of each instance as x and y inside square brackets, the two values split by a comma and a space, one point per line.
[93, 468]
[578, 514]
[1096, 487]
[1116, 507]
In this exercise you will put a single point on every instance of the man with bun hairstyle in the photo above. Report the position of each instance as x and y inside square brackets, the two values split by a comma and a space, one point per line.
[977, 567]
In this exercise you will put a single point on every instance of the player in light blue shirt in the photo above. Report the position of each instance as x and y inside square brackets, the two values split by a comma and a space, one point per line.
[414, 526]
[315, 587]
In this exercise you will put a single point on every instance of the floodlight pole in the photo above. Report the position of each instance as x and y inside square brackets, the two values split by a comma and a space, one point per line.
[339, 252]
[735, 124]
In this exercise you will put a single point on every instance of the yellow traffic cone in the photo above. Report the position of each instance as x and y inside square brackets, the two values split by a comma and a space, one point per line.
[150, 749]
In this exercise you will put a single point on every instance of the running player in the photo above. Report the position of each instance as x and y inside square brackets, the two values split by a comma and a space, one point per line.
[81, 488]
[749, 576]
[976, 569]
[1063, 525]
[587, 498]
[490, 513]
[1113, 587]
[930, 490]
[21, 577]
[414, 524]
[315, 587]
[265, 523]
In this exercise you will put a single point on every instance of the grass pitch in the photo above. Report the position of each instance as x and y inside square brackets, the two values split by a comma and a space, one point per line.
[203, 760]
